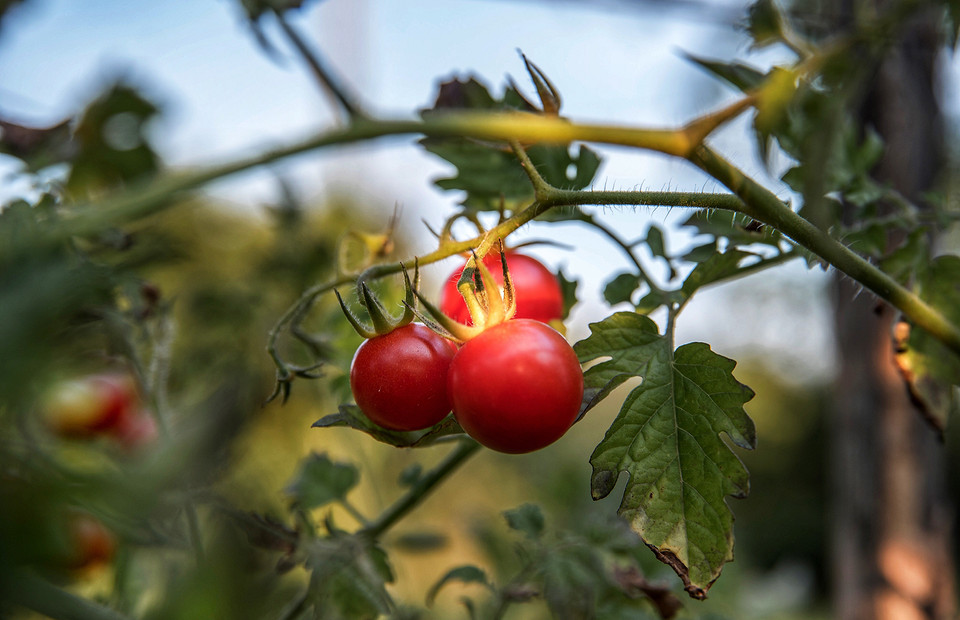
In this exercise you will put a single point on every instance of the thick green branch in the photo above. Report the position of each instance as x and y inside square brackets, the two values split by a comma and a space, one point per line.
[764, 206]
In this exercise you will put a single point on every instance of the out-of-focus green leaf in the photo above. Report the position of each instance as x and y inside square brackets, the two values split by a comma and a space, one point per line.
[348, 578]
[701, 252]
[931, 370]
[910, 257]
[464, 574]
[764, 23]
[256, 8]
[656, 242]
[738, 228]
[37, 147]
[743, 77]
[320, 481]
[527, 518]
[717, 267]
[568, 289]
[621, 288]
[111, 142]
[667, 438]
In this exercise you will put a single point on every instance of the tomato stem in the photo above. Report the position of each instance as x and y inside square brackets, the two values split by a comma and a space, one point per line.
[418, 492]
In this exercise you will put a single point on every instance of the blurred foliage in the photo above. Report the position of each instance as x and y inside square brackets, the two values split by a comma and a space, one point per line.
[242, 510]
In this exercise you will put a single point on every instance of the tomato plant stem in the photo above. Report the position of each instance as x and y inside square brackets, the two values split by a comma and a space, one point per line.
[765, 207]
[757, 201]
[43, 597]
[416, 494]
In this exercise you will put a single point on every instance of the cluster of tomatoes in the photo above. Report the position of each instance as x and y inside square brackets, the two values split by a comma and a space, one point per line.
[100, 405]
[515, 386]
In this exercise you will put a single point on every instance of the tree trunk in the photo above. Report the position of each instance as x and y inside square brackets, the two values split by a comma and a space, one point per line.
[892, 519]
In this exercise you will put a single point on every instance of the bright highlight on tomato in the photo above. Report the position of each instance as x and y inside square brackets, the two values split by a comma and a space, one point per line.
[399, 379]
[90, 405]
[537, 290]
[98, 405]
[516, 387]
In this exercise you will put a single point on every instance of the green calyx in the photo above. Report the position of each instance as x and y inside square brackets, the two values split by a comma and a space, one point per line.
[487, 304]
[383, 322]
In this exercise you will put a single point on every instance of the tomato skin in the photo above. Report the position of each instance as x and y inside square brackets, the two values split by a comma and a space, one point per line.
[91, 544]
[399, 379]
[90, 405]
[516, 387]
[136, 430]
[536, 289]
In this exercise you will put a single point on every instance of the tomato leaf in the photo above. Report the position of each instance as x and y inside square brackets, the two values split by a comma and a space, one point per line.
[621, 287]
[568, 289]
[527, 518]
[351, 416]
[489, 172]
[348, 577]
[320, 481]
[718, 266]
[930, 369]
[738, 228]
[464, 574]
[667, 439]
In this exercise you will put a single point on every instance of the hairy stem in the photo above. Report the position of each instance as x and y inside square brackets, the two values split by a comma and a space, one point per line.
[765, 207]
[757, 201]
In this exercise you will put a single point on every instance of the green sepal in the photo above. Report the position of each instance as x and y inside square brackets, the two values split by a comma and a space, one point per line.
[358, 325]
[549, 96]
[383, 323]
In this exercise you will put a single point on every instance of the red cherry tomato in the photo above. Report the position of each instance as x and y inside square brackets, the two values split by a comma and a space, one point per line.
[536, 289]
[91, 544]
[90, 405]
[136, 430]
[399, 379]
[516, 387]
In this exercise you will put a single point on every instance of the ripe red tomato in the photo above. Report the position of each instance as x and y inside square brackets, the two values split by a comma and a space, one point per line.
[136, 430]
[516, 387]
[90, 405]
[536, 289]
[91, 544]
[399, 379]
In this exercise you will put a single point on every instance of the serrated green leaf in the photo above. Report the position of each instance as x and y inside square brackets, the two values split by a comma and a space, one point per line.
[932, 370]
[320, 481]
[717, 267]
[464, 574]
[489, 173]
[667, 438]
[526, 518]
[351, 416]
[621, 288]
